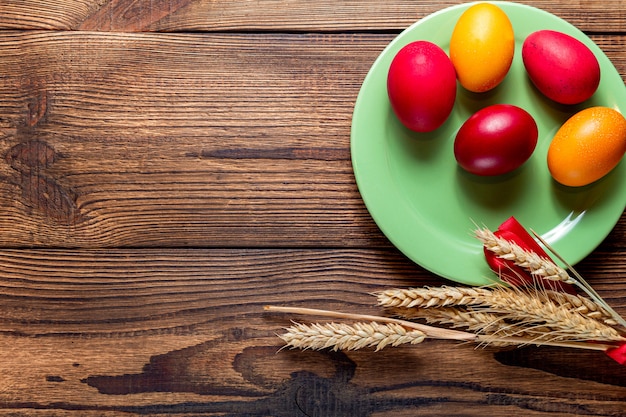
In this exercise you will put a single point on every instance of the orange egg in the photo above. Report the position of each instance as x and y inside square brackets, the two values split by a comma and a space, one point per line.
[587, 147]
[482, 47]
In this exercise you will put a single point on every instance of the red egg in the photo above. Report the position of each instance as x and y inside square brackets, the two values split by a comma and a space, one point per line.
[563, 68]
[421, 85]
[496, 140]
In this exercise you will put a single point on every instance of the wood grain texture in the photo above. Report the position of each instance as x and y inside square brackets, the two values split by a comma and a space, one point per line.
[153, 331]
[137, 139]
[168, 167]
[266, 15]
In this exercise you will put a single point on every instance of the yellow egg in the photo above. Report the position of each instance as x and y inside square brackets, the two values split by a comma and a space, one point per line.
[588, 146]
[482, 47]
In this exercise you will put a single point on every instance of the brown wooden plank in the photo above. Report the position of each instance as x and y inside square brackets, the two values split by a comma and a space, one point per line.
[130, 140]
[182, 331]
[268, 15]
[123, 292]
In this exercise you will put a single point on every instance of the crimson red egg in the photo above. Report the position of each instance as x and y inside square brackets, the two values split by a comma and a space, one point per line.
[421, 84]
[563, 68]
[496, 140]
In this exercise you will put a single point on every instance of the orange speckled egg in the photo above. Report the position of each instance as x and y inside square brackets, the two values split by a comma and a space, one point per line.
[587, 146]
[482, 47]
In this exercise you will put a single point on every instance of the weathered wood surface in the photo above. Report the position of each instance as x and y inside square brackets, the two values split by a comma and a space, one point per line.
[169, 167]
[267, 15]
[155, 331]
[117, 139]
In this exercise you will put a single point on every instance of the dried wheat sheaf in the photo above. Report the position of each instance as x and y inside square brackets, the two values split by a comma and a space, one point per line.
[492, 315]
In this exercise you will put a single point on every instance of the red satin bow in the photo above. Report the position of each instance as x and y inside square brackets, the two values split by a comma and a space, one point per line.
[512, 231]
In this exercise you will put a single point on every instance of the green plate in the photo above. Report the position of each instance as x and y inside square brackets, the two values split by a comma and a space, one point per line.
[428, 207]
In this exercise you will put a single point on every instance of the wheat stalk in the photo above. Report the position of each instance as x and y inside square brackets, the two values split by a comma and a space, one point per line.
[445, 296]
[472, 320]
[528, 307]
[429, 331]
[302, 341]
[341, 336]
[535, 264]
[428, 297]
[582, 305]
[488, 322]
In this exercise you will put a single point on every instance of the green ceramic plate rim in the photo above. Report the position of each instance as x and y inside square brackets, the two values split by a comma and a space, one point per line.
[590, 212]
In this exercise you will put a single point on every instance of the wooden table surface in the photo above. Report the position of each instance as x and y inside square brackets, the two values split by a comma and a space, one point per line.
[171, 166]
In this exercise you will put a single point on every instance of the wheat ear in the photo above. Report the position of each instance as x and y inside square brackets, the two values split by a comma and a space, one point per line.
[522, 306]
[445, 296]
[535, 264]
[582, 305]
[341, 336]
[427, 297]
[513, 323]
[518, 308]
[582, 284]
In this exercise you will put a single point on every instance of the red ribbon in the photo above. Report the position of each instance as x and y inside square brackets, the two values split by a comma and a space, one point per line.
[512, 231]
[618, 354]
